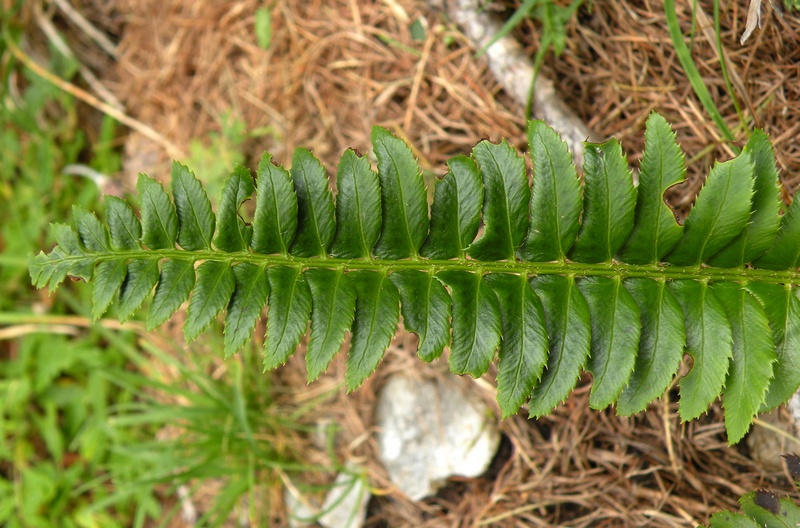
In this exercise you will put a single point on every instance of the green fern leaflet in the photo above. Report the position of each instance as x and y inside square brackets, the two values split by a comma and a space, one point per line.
[550, 279]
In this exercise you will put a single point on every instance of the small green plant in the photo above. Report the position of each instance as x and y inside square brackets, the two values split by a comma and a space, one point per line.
[762, 508]
[563, 277]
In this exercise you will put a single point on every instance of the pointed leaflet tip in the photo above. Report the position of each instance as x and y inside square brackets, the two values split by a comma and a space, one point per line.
[275, 221]
[316, 226]
[505, 204]
[195, 219]
[404, 199]
[358, 208]
[159, 221]
[556, 197]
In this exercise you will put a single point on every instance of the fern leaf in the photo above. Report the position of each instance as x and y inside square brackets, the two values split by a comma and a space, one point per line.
[233, 234]
[609, 202]
[316, 226]
[456, 210]
[377, 313]
[555, 199]
[708, 341]
[426, 310]
[404, 201]
[195, 219]
[333, 302]
[660, 347]
[248, 299]
[751, 364]
[358, 208]
[476, 322]
[616, 330]
[566, 316]
[289, 308]
[505, 205]
[655, 231]
[523, 351]
[560, 278]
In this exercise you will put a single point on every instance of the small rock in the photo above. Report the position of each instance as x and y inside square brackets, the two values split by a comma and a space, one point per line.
[345, 505]
[431, 430]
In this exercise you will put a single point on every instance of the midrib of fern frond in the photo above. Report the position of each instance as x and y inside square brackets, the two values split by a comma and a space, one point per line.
[562, 277]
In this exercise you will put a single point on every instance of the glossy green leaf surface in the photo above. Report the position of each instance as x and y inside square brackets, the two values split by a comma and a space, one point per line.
[566, 315]
[549, 278]
[377, 313]
[655, 231]
[660, 347]
[233, 233]
[476, 322]
[751, 364]
[124, 226]
[505, 204]
[616, 332]
[316, 227]
[195, 219]
[555, 199]
[523, 350]
[358, 208]
[333, 302]
[708, 341]
[289, 308]
[404, 201]
[159, 221]
[426, 311]
[609, 201]
[212, 291]
[275, 221]
[248, 299]
[721, 212]
[456, 210]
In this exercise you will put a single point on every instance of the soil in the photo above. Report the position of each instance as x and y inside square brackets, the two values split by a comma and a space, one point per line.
[336, 67]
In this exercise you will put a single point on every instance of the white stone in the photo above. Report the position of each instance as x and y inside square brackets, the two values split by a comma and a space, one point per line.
[345, 505]
[430, 430]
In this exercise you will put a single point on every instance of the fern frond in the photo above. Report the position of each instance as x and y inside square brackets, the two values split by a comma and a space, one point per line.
[561, 278]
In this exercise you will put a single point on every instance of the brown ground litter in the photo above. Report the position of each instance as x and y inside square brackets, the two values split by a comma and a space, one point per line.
[619, 65]
[336, 67]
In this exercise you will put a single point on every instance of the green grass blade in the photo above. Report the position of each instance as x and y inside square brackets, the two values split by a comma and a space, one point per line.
[456, 210]
[660, 348]
[377, 313]
[233, 234]
[358, 208]
[609, 202]
[333, 303]
[514, 20]
[426, 311]
[505, 204]
[523, 350]
[195, 219]
[696, 80]
[315, 224]
[404, 199]
[566, 316]
[616, 331]
[708, 341]
[476, 322]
